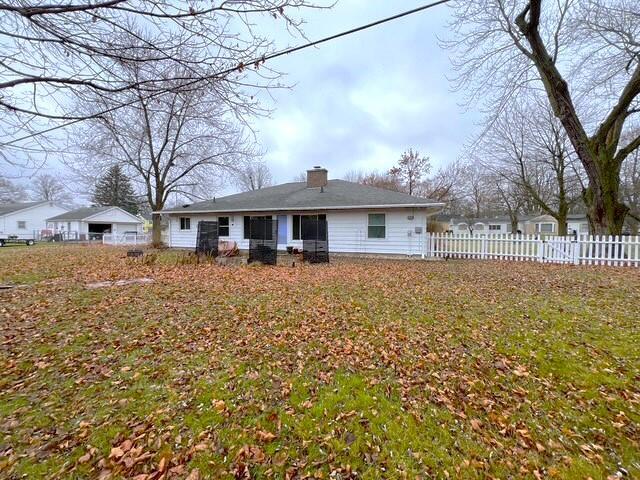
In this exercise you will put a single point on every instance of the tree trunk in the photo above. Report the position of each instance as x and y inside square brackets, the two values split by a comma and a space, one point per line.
[597, 154]
[602, 198]
[156, 235]
[514, 225]
[562, 224]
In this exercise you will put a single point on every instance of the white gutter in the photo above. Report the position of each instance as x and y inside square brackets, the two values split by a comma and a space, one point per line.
[311, 209]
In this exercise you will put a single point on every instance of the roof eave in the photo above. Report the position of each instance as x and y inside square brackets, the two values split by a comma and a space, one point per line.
[305, 209]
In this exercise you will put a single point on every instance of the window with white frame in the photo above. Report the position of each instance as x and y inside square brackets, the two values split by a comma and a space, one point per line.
[185, 223]
[584, 228]
[462, 227]
[22, 225]
[376, 227]
[495, 227]
[478, 226]
[545, 227]
[223, 226]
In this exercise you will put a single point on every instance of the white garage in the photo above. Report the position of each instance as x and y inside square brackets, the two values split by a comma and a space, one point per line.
[91, 223]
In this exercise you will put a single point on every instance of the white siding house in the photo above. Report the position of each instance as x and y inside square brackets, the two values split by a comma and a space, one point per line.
[360, 219]
[92, 222]
[483, 226]
[27, 220]
[544, 225]
[404, 230]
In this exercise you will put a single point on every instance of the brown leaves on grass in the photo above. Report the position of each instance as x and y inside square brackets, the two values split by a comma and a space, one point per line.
[428, 336]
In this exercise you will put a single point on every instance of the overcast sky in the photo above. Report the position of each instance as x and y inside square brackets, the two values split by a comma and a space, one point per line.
[360, 101]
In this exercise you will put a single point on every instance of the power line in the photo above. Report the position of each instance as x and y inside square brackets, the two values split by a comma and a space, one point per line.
[239, 67]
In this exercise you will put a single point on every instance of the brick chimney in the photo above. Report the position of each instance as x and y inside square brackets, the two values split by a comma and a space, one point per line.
[317, 177]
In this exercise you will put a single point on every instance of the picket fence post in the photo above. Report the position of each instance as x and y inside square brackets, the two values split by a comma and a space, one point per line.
[540, 243]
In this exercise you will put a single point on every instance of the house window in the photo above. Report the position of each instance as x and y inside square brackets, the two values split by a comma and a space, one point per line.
[223, 226]
[247, 229]
[185, 223]
[494, 227]
[545, 227]
[22, 225]
[584, 228]
[376, 227]
[462, 227]
[297, 225]
[478, 226]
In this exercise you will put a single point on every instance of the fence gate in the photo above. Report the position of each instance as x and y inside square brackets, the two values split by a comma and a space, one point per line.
[263, 240]
[207, 240]
[560, 250]
[315, 239]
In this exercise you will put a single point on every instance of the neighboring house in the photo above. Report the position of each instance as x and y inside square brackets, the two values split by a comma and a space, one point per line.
[92, 222]
[27, 220]
[440, 223]
[529, 225]
[480, 226]
[360, 218]
[577, 223]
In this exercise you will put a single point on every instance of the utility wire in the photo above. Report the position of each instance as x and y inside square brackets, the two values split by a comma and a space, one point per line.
[239, 67]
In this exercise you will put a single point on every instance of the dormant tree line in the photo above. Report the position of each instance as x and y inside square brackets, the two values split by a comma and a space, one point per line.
[523, 166]
[579, 58]
[164, 90]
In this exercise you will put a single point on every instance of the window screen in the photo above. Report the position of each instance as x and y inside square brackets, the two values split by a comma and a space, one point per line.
[296, 227]
[247, 227]
[223, 226]
[377, 227]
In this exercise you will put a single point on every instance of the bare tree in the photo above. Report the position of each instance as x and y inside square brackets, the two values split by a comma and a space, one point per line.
[510, 199]
[480, 197]
[507, 46]
[53, 51]
[11, 192]
[49, 188]
[411, 170]
[374, 179]
[300, 177]
[253, 176]
[630, 190]
[527, 147]
[446, 184]
[180, 143]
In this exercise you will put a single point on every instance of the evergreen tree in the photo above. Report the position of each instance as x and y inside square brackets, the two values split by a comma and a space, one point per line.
[114, 189]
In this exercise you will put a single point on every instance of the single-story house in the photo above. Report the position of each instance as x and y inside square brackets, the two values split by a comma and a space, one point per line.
[577, 223]
[479, 226]
[360, 218]
[527, 224]
[27, 220]
[89, 223]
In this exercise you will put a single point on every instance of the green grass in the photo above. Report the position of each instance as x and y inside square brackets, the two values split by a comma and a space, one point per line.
[367, 369]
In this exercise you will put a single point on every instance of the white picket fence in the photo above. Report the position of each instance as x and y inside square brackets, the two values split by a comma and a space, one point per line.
[126, 239]
[581, 250]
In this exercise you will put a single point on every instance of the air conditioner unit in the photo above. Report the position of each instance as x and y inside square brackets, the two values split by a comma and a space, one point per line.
[410, 217]
[418, 230]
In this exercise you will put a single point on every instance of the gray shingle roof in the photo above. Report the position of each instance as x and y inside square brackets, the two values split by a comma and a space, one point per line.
[338, 194]
[16, 207]
[79, 214]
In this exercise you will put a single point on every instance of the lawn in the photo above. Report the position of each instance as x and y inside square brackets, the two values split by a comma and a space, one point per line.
[358, 369]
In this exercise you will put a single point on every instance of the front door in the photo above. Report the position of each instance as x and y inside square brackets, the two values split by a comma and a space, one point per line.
[282, 229]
